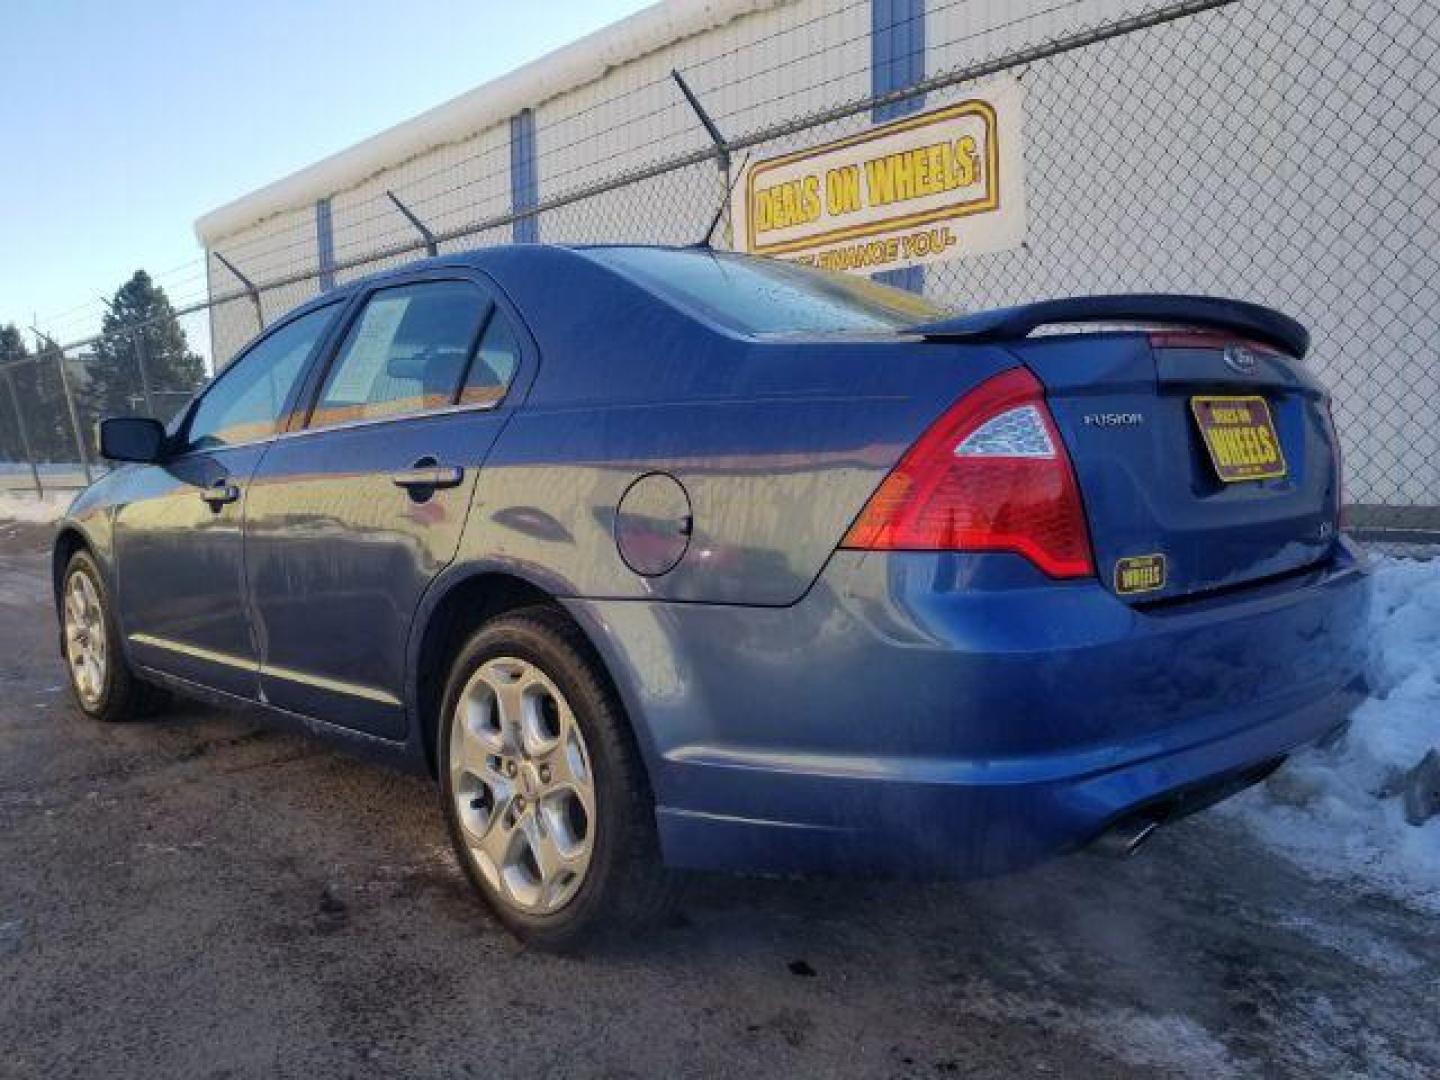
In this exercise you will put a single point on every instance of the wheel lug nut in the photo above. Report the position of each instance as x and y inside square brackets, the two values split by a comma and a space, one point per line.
[519, 804]
[510, 768]
[544, 774]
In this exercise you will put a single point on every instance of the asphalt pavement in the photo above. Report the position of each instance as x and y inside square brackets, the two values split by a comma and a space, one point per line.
[200, 895]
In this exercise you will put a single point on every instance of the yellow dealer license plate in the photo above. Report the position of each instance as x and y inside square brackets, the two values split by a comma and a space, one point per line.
[1240, 436]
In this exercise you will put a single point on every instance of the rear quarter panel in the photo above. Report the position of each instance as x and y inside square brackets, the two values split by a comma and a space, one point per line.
[777, 443]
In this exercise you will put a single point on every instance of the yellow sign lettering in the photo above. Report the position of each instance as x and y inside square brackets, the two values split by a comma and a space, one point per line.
[924, 171]
[795, 202]
[842, 191]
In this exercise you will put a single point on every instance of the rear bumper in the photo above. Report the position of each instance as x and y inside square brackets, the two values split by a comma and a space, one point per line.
[961, 715]
[964, 826]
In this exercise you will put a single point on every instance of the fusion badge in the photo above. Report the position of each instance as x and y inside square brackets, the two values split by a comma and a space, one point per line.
[1139, 574]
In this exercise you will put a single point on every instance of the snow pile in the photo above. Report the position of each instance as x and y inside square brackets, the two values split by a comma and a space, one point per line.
[1334, 810]
[28, 507]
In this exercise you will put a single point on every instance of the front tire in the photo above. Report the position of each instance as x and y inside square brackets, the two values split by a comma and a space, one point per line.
[544, 794]
[101, 680]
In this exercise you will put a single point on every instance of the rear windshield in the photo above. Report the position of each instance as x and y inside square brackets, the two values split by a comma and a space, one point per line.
[766, 296]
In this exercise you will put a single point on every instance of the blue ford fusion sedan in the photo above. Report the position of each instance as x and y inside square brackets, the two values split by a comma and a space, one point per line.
[663, 559]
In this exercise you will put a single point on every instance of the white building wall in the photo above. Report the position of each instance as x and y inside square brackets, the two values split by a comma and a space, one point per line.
[448, 188]
[750, 73]
[1275, 151]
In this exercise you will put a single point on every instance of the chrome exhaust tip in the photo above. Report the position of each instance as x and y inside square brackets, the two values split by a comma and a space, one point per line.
[1124, 838]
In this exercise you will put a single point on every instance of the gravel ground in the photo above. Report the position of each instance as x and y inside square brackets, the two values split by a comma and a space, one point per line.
[202, 896]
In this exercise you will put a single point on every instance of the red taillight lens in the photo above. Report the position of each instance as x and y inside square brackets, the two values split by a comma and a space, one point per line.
[990, 475]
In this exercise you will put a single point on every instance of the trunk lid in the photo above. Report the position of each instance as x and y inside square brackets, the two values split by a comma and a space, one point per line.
[1129, 405]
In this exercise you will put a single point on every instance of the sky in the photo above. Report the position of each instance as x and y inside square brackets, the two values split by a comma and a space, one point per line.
[121, 123]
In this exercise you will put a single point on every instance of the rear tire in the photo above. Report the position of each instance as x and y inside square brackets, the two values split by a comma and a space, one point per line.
[101, 679]
[543, 790]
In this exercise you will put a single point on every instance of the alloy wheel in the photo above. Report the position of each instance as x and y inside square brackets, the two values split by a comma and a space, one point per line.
[522, 784]
[86, 647]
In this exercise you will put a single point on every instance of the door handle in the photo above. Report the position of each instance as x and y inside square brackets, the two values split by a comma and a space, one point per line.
[429, 477]
[220, 493]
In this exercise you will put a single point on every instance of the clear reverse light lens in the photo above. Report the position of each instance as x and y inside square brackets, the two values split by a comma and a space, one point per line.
[1018, 433]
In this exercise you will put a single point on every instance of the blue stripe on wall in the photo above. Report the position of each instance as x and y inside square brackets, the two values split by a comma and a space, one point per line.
[897, 53]
[325, 243]
[897, 60]
[524, 180]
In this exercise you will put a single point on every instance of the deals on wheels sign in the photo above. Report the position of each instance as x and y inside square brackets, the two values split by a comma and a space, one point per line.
[933, 186]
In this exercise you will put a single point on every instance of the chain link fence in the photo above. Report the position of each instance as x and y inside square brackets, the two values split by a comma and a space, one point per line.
[51, 401]
[1282, 152]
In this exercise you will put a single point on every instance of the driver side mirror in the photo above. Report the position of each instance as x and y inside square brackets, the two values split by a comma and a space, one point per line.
[132, 438]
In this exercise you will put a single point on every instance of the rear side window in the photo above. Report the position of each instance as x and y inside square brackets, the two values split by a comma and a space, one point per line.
[405, 353]
[766, 296]
[247, 399]
[495, 363]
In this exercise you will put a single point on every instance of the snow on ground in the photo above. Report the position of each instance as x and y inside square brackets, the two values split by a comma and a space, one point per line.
[1324, 809]
[28, 507]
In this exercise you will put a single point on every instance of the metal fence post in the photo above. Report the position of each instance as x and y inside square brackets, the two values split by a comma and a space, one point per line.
[137, 337]
[24, 434]
[431, 248]
[74, 417]
[250, 288]
[722, 154]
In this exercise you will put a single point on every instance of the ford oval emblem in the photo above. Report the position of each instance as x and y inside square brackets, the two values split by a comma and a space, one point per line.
[1241, 360]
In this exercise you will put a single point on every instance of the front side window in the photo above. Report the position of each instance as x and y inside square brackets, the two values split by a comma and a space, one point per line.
[247, 400]
[406, 353]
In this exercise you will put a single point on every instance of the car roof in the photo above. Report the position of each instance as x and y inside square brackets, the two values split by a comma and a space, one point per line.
[491, 259]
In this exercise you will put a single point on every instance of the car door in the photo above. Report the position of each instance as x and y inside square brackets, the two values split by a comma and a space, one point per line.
[353, 514]
[178, 538]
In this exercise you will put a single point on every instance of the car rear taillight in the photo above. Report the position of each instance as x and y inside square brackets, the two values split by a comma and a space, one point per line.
[990, 475]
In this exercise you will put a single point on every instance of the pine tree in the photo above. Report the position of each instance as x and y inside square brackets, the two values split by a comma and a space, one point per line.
[141, 310]
[42, 403]
[12, 345]
[12, 348]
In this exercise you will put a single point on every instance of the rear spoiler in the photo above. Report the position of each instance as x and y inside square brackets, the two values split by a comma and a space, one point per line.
[1205, 312]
